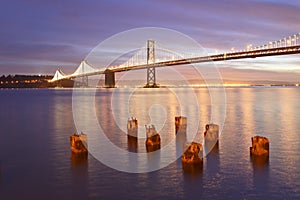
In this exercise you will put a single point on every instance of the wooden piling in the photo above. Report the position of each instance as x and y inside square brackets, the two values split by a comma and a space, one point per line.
[180, 124]
[260, 146]
[193, 153]
[211, 132]
[153, 139]
[78, 143]
[132, 127]
[211, 138]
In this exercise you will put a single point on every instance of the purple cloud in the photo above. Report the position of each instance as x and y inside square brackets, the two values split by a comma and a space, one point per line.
[38, 36]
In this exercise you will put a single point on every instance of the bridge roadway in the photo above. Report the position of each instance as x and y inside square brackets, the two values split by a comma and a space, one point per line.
[218, 57]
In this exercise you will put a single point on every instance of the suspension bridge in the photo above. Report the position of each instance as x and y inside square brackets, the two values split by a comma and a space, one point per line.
[155, 55]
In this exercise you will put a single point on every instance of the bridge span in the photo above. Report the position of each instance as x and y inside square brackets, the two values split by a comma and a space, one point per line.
[281, 47]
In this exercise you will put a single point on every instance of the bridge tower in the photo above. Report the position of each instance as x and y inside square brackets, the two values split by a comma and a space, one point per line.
[84, 79]
[151, 77]
[84, 82]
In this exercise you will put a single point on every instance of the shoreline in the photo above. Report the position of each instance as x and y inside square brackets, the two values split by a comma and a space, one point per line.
[165, 87]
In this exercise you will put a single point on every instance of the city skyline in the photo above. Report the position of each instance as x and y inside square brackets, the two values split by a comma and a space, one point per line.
[41, 36]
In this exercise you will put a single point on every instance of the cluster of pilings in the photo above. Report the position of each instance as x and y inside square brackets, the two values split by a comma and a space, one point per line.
[193, 152]
[153, 138]
[153, 141]
[192, 155]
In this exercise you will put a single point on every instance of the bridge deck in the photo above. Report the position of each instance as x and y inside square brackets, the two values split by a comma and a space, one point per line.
[218, 57]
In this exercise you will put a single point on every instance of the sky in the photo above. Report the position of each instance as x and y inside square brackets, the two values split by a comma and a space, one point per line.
[37, 37]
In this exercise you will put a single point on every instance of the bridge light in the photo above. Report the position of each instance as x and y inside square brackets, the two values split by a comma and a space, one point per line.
[249, 47]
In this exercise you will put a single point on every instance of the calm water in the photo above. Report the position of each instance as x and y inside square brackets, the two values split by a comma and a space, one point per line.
[36, 162]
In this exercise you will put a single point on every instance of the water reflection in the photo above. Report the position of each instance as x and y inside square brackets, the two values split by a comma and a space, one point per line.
[192, 170]
[132, 144]
[79, 175]
[152, 148]
[260, 165]
[213, 157]
[80, 159]
[153, 158]
[45, 118]
[107, 120]
[193, 181]
[181, 139]
[211, 147]
[260, 161]
[0, 172]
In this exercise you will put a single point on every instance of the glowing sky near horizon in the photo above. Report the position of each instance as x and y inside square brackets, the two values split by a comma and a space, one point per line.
[37, 37]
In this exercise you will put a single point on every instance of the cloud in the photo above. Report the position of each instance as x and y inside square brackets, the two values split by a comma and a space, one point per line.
[61, 33]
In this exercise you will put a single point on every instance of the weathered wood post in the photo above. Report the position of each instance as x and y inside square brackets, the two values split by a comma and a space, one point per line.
[193, 153]
[211, 132]
[132, 128]
[132, 134]
[79, 159]
[192, 158]
[211, 137]
[153, 139]
[180, 124]
[259, 151]
[180, 132]
[78, 143]
[260, 146]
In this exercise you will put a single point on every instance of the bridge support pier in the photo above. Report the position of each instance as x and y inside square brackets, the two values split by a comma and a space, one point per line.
[83, 83]
[109, 79]
[59, 84]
